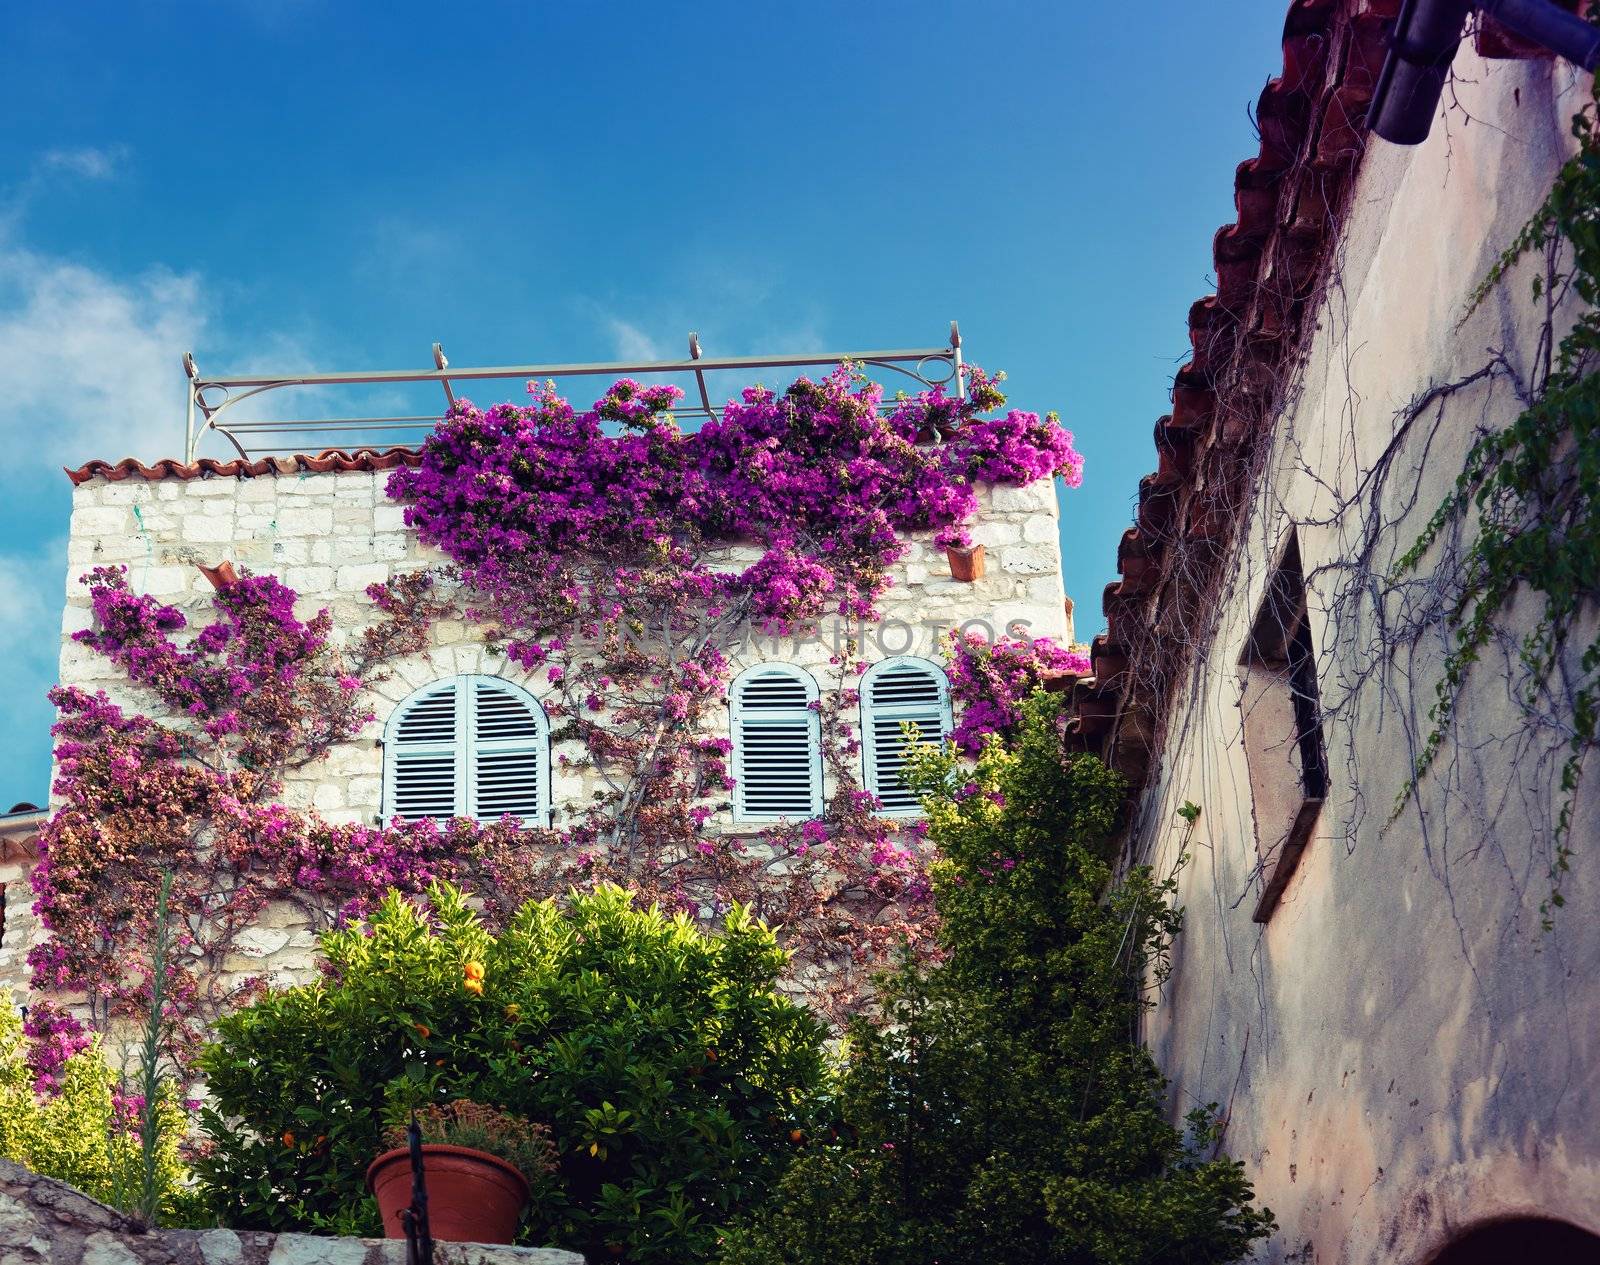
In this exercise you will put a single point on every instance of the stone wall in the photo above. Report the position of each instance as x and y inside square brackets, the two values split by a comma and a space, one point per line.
[20, 927]
[329, 536]
[44, 1222]
[1400, 1051]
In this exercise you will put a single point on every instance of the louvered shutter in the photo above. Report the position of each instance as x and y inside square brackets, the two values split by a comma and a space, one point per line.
[777, 745]
[427, 770]
[894, 693]
[472, 746]
[508, 746]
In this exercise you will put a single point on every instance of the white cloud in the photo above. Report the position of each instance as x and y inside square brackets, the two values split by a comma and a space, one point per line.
[87, 162]
[629, 342]
[89, 367]
[90, 363]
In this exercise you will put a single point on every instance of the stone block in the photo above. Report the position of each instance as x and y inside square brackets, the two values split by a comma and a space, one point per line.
[206, 489]
[307, 580]
[307, 1249]
[305, 520]
[205, 529]
[355, 578]
[1042, 530]
[995, 533]
[128, 492]
[303, 486]
[257, 490]
[259, 942]
[22, 1237]
[1030, 560]
[1035, 497]
[1046, 588]
[327, 796]
[387, 518]
[160, 581]
[102, 520]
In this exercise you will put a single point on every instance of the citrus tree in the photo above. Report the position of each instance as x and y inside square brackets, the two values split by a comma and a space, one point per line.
[671, 1075]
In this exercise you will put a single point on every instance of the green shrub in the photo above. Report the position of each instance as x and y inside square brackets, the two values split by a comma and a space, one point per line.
[1000, 1108]
[76, 1134]
[669, 1071]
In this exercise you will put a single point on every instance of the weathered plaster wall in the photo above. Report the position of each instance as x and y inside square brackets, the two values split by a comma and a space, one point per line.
[329, 536]
[1401, 1050]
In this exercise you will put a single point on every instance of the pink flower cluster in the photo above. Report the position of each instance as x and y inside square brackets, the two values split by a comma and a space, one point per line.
[990, 680]
[825, 476]
[54, 1036]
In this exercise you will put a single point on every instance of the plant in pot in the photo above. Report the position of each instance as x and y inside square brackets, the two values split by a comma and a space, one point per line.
[480, 1166]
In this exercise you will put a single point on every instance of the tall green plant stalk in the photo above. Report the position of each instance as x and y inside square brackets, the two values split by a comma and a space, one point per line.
[152, 1084]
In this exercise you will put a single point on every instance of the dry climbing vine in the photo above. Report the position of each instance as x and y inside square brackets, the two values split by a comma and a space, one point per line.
[1530, 492]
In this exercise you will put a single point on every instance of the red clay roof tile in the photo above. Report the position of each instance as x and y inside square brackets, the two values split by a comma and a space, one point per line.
[333, 459]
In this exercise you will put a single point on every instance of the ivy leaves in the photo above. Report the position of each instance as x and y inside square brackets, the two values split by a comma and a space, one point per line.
[1528, 494]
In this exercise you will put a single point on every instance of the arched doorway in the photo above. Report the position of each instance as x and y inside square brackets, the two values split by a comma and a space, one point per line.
[1522, 1241]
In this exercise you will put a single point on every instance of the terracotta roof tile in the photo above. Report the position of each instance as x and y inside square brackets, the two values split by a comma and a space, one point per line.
[208, 468]
[1269, 264]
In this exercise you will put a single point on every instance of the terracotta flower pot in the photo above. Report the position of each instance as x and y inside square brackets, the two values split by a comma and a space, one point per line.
[473, 1197]
[965, 563]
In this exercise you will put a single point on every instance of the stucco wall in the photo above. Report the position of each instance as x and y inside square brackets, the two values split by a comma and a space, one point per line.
[1400, 1050]
[329, 536]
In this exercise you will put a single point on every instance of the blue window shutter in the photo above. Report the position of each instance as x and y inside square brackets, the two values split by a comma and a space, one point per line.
[509, 770]
[471, 746]
[777, 744]
[899, 691]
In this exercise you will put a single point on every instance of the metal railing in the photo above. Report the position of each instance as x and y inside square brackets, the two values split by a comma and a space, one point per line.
[211, 399]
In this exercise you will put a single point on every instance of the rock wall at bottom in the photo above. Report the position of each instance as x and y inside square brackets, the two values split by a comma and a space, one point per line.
[45, 1222]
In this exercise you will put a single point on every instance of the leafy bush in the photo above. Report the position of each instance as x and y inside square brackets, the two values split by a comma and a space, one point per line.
[667, 1069]
[1000, 1108]
[520, 1143]
[79, 1130]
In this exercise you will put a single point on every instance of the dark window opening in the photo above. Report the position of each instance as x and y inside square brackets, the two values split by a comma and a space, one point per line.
[1282, 727]
[1530, 1239]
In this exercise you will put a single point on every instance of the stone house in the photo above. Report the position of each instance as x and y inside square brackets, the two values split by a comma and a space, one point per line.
[1402, 1053]
[459, 729]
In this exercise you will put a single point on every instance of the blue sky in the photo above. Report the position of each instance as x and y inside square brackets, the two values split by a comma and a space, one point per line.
[309, 185]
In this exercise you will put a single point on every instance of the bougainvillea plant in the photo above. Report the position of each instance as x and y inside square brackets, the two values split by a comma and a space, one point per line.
[594, 548]
[990, 680]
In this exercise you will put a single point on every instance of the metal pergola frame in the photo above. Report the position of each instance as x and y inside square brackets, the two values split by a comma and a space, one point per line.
[211, 398]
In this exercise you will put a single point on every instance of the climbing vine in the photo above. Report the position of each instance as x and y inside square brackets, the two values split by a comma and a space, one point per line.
[595, 549]
[1527, 498]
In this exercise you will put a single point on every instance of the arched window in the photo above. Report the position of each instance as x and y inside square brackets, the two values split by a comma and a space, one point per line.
[469, 746]
[893, 693]
[1522, 1239]
[777, 744]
